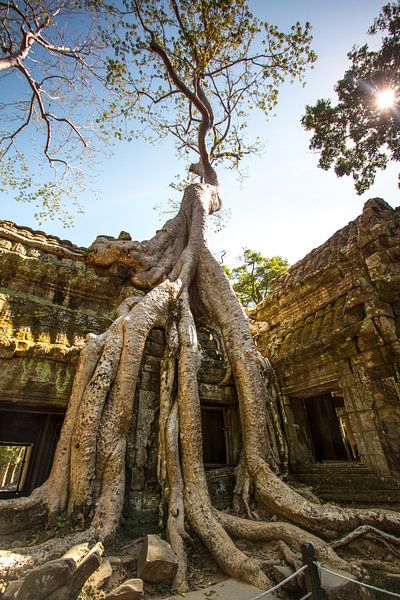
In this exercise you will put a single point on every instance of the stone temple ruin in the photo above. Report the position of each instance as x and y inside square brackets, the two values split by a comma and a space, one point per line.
[330, 327]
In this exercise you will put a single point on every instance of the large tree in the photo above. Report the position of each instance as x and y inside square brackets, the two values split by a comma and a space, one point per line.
[204, 57]
[360, 134]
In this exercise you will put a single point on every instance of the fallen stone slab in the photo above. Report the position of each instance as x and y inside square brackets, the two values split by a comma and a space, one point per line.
[280, 573]
[74, 584]
[132, 589]
[77, 553]
[41, 581]
[337, 588]
[157, 562]
[100, 577]
[230, 589]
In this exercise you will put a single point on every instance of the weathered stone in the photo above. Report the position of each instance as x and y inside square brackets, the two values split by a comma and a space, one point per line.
[100, 577]
[157, 561]
[41, 581]
[74, 584]
[115, 561]
[77, 553]
[132, 589]
[280, 573]
[337, 588]
[328, 326]
[128, 560]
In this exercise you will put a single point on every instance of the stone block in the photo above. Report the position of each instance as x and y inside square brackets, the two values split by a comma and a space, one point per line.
[154, 348]
[374, 308]
[396, 307]
[354, 314]
[151, 364]
[336, 588]
[376, 373]
[345, 349]
[368, 336]
[131, 589]
[115, 561]
[378, 463]
[391, 353]
[41, 581]
[367, 420]
[387, 328]
[71, 588]
[280, 573]
[367, 360]
[157, 335]
[100, 577]
[77, 553]
[150, 382]
[213, 393]
[157, 561]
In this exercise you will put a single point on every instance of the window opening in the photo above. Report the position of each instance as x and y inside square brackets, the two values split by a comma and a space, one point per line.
[330, 429]
[213, 425]
[14, 462]
[29, 436]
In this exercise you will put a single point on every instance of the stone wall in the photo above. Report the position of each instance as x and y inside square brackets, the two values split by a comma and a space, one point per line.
[48, 303]
[47, 306]
[330, 326]
[142, 508]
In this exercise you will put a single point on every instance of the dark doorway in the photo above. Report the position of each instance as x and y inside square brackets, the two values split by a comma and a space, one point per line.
[214, 435]
[325, 429]
[28, 441]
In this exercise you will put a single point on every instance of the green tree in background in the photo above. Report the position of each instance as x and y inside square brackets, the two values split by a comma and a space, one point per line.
[251, 278]
[361, 133]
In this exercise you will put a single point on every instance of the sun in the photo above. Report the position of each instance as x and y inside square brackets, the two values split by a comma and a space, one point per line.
[386, 98]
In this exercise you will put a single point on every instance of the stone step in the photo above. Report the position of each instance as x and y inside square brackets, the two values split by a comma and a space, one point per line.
[348, 482]
[353, 467]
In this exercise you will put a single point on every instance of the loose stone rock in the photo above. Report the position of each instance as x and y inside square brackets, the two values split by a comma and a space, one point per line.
[74, 584]
[100, 577]
[132, 589]
[157, 561]
[43, 580]
[336, 588]
[77, 553]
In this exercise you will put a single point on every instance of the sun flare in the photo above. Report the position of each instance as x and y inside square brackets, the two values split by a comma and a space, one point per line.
[385, 98]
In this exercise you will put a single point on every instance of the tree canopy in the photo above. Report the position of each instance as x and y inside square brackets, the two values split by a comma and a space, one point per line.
[71, 72]
[251, 278]
[195, 69]
[361, 133]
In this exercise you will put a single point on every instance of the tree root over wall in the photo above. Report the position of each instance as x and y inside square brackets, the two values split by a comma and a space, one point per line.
[183, 282]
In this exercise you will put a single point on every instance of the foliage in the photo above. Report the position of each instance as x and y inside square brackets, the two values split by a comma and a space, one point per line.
[3, 585]
[72, 71]
[356, 136]
[10, 454]
[251, 278]
[51, 75]
[178, 64]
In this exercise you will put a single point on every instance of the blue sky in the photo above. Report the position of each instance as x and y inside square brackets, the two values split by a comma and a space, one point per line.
[286, 205]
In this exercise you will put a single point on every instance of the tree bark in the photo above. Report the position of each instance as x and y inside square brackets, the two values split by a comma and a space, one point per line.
[88, 474]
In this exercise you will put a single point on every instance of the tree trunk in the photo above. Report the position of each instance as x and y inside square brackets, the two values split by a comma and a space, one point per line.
[88, 474]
